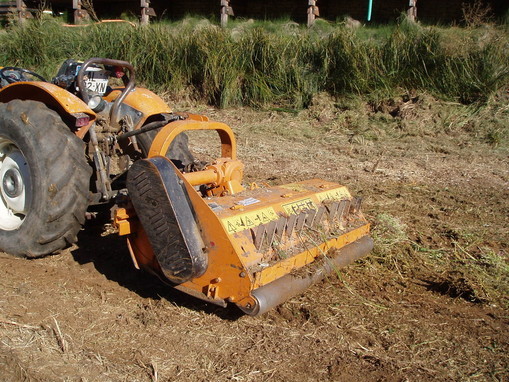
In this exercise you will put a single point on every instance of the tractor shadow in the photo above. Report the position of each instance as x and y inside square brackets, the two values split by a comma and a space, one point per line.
[110, 256]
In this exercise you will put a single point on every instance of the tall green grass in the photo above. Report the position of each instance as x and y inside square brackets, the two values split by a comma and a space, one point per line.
[274, 64]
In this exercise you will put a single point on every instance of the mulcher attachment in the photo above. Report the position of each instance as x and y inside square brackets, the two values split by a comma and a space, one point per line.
[253, 247]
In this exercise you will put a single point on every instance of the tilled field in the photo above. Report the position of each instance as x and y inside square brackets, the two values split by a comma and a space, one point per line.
[430, 302]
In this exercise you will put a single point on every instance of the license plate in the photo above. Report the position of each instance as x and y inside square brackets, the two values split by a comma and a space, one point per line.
[96, 82]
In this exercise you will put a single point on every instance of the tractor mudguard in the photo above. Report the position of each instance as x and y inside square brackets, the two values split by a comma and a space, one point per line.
[66, 104]
[143, 100]
[148, 104]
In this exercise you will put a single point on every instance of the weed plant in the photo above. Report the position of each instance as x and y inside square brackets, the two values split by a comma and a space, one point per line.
[280, 64]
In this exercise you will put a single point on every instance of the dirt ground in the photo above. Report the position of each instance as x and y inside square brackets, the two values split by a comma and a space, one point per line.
[424, 306]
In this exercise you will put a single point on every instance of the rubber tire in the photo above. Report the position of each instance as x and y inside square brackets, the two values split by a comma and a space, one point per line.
[179, 151]
[60, 178]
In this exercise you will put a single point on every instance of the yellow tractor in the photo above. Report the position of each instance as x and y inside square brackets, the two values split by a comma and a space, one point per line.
[80, 140]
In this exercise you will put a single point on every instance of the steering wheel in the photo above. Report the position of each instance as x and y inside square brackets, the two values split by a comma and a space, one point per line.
[11, 77]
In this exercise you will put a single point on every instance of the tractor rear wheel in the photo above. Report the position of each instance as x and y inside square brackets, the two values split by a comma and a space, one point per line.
[44, 180]
[178, 152]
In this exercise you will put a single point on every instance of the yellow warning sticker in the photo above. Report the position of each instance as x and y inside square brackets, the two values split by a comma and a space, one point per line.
[237, 223]
[335, 194]
[298, 206]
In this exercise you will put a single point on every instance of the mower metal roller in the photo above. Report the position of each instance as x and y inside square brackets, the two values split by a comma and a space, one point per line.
[209, 237]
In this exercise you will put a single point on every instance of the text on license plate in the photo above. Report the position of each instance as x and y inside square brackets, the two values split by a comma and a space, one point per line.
[97, 85]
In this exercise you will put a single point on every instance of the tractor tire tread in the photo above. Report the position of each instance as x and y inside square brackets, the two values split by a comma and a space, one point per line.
[61, 176]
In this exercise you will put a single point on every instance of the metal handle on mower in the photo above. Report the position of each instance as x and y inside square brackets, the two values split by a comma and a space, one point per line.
[163, 139]
[106, 61]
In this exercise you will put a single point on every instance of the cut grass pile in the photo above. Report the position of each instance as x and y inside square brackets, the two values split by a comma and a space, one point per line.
[284, 64]
[468, 269]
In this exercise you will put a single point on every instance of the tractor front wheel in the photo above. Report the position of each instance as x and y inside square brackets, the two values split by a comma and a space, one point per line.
[44, 180]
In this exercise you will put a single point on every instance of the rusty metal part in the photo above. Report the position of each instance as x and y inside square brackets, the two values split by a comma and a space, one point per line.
[282, 289]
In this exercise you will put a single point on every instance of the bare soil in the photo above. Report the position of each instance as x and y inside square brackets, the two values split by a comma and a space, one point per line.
[418, 308]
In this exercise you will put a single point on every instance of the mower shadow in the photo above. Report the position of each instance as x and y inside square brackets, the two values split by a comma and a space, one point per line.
[110, 256]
